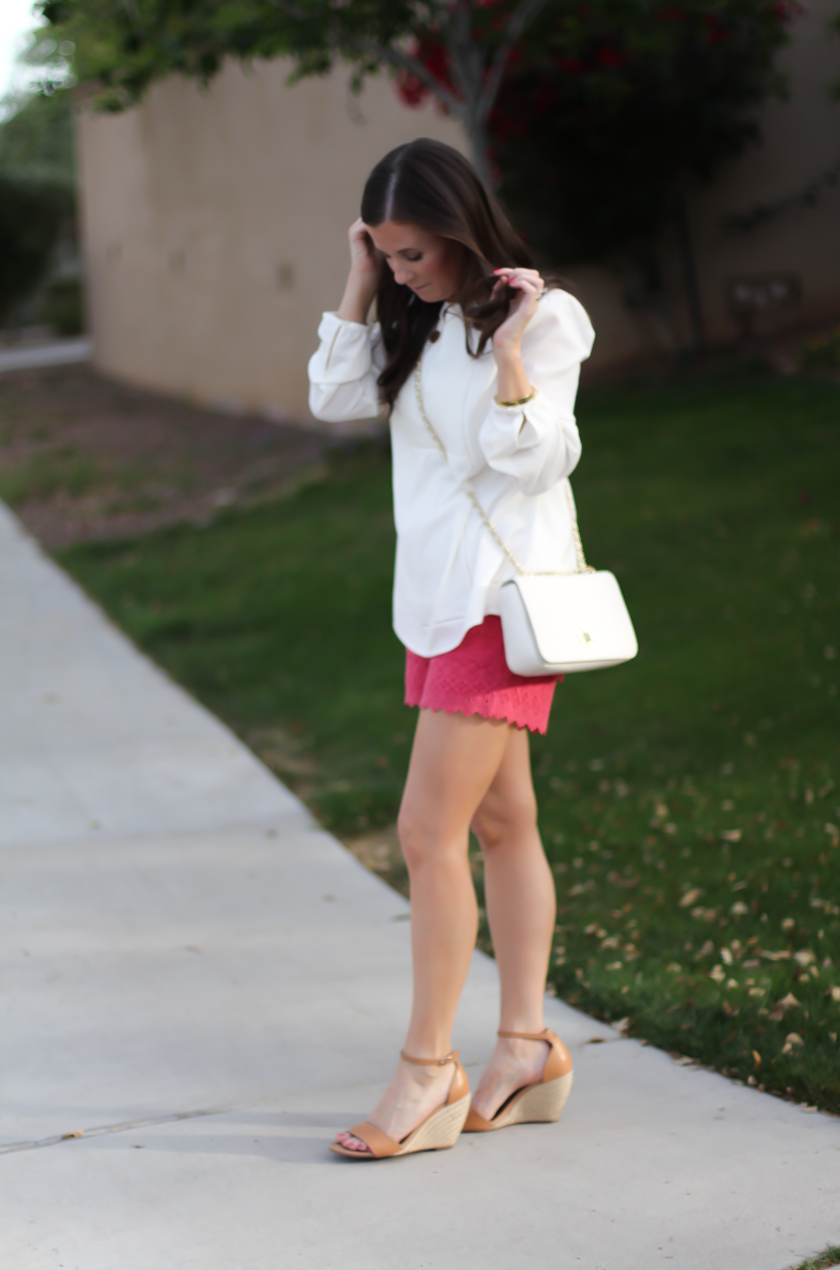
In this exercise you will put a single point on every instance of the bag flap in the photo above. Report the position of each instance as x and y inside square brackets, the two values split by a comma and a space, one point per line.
[577, 617]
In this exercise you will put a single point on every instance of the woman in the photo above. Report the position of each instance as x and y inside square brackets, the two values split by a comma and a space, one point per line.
[478, 363]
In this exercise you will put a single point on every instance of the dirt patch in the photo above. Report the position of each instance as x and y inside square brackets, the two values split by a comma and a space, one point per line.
[83, 457]
[284, 755]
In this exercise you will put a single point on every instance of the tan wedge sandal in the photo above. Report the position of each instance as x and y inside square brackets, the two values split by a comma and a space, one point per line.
[539, 1103]
[438, 1131]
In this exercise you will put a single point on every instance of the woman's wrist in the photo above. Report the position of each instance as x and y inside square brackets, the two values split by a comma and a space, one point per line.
[357, 299]
[512, 382]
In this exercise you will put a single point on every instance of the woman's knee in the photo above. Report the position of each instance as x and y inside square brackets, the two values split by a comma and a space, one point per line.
[505, 818]
[422, 838]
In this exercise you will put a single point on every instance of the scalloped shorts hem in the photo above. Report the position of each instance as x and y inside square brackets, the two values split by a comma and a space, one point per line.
[474, 678]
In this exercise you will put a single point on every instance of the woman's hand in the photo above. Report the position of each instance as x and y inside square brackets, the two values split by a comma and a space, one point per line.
[363, 258]
[513, 383]
[363, 280]
[529, 286]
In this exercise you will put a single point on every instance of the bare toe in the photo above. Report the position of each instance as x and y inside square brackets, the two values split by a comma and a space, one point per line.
[352, 1144]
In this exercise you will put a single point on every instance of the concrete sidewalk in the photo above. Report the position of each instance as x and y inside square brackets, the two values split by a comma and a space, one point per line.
[51, 353]
[206, 986]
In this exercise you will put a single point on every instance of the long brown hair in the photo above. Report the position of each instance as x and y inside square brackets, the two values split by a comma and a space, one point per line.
[431, 185]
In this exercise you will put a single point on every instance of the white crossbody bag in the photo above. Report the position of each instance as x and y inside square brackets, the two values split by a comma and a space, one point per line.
[556, 623]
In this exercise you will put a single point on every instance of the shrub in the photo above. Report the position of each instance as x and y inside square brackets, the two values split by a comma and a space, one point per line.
[31, 217]
[64, 306]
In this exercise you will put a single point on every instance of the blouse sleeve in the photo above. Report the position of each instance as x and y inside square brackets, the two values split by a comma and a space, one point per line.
[343, 371]
[538, 444]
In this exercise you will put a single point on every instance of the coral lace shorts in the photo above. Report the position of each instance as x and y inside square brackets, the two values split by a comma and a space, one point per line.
[474, 678]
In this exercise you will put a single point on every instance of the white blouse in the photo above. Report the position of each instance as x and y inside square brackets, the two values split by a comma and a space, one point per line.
[449, 568]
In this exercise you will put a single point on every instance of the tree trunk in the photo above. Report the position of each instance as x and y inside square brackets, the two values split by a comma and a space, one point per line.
[478, 139]
[469, 72]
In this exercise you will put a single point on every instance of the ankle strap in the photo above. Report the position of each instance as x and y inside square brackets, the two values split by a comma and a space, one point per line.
[431, 1062]
[545, 1035]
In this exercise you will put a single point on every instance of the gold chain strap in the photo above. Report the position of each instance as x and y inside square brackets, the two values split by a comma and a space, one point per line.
[582, 566]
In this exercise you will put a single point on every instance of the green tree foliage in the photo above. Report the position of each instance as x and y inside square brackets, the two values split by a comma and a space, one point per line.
[37, 142]
[609, 108]
[617, 117]
[593, 113]
[126, 48]
[37, 176]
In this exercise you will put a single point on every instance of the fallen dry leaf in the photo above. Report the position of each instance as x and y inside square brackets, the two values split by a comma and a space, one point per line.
[691, 897]
[791, 1041]
[830, 910]
[618, 880]
[732, 835]
[757, 1058]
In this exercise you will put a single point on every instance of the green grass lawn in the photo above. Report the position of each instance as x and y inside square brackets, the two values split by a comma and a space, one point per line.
[689, 801]
[824, 1261]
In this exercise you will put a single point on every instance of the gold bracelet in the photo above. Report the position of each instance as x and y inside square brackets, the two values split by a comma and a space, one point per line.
[521, 402]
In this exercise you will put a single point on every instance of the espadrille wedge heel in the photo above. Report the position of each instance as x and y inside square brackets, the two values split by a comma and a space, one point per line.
[540, 1103]
[437, 1132]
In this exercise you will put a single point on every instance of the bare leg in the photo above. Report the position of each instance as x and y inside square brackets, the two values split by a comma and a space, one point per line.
[453, 763]
[521, 910]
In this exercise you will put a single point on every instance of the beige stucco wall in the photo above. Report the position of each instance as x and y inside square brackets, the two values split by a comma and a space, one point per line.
[801, 140]
[215, 227]
[215, 224]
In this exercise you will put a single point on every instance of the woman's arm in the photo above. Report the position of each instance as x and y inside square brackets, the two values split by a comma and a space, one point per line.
[363, 279]
[343, 371]
[513, 381]
[537, 443]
